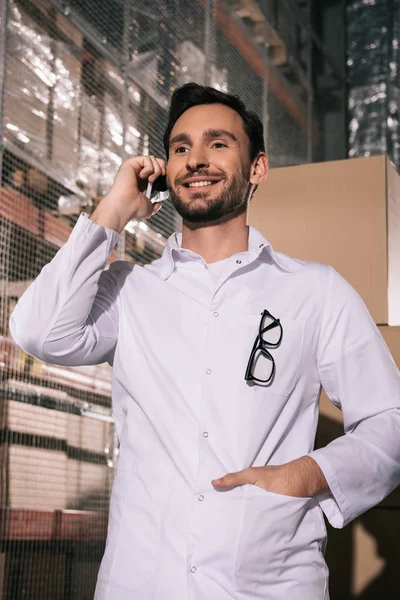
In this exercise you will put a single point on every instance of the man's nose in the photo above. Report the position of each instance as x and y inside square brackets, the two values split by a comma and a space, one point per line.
[197, 160]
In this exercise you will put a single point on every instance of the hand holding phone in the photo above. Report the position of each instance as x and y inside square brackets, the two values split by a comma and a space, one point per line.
[159, 190]
[127, 198]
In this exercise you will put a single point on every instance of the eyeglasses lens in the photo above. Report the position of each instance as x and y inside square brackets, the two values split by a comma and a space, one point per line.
[262, 366]
[273, 331]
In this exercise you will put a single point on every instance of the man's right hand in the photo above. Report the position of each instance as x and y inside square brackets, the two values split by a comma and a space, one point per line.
[126, 199]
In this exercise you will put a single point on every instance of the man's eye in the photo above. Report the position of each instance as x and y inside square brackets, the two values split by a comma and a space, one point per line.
[219, 144]
[180, 150]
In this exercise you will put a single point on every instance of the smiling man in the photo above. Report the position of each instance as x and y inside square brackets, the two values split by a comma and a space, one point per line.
[219, 352]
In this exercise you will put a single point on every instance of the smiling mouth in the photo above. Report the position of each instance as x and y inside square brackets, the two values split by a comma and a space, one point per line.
[196, 185]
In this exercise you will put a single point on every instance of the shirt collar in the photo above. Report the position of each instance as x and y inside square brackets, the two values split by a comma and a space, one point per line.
[259, 246]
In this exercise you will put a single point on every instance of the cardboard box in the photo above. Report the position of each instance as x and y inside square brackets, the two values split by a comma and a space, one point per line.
[56, 229]
[89, 433]
[19, 209]
[36, 478]
[89, 485]
[27, 418]
[344, 213]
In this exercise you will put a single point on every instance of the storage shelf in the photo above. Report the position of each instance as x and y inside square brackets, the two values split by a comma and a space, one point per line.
[49, 525]
[13, 365]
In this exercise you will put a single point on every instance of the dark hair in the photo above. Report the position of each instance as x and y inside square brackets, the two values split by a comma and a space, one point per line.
[193, 94]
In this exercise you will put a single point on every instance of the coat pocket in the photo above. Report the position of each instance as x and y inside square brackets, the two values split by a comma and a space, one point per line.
[133, 542]
[279, 545]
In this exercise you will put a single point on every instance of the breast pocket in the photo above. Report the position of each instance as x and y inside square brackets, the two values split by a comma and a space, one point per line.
[286, 356]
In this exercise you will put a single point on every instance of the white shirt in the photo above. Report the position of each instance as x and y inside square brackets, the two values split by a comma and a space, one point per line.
[179, 344]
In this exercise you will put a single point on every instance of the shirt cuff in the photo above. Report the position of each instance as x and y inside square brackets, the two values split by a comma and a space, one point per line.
[334, 506]
[85, 228]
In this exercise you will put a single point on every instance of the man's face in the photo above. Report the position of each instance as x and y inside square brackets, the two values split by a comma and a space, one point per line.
[209, 164]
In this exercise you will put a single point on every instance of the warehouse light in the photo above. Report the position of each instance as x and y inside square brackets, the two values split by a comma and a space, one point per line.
[39, 113]
[24, 138]
[134, 131]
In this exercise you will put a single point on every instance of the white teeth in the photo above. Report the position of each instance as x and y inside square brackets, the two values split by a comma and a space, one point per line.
[201, 183]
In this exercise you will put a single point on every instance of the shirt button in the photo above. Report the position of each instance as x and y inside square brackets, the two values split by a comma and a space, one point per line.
[201, 497]
[193, 569]
[205, 434]
[216, 314]
[208, 371]
[261, 245]
[238, 262]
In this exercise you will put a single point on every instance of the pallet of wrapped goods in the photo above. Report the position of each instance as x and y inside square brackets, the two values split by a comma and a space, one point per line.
[28, 82]
[89, 150]
[64, 151]
[71, 33]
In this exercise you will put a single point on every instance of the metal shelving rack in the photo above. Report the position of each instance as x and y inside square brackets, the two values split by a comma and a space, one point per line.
[122, 82]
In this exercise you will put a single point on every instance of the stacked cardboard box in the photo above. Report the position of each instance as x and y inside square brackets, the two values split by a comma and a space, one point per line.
[88, 482]
[55, 457]
[346, 214]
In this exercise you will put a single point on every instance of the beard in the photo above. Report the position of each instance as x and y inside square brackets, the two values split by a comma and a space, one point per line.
[232, 201]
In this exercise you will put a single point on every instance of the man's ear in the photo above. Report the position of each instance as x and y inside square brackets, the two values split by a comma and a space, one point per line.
[259, 169]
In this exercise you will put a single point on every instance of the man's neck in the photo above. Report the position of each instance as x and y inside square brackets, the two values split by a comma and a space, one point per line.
[218, 241]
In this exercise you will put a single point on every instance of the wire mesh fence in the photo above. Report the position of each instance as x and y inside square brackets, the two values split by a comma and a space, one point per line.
[87, 83]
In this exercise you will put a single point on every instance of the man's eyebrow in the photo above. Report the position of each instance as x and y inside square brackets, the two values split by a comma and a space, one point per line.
[181, 137]
[209, 133]
[218, 133]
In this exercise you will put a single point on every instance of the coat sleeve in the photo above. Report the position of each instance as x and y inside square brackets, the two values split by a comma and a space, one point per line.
[69, 314]
[360, 377]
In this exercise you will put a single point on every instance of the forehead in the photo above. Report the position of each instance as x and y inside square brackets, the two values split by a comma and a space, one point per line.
[198, 119]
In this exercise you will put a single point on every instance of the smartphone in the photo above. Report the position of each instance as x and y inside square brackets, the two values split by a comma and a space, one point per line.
[158, 191]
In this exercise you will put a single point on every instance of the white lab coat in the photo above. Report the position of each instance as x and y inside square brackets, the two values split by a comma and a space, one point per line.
[179, 346]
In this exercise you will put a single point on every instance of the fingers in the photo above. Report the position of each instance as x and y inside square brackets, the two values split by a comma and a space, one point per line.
[152, 168]
[156, 208]
[234, 479]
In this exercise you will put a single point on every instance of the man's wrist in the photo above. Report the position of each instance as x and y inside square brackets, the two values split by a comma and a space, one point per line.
[311, 475]
[108, 215]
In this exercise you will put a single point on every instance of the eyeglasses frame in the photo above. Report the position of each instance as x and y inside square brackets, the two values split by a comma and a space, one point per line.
[260, 344]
